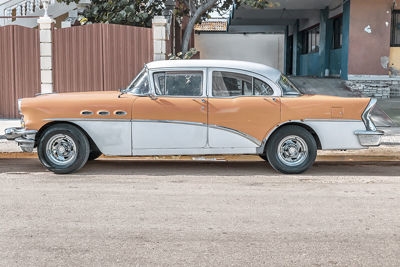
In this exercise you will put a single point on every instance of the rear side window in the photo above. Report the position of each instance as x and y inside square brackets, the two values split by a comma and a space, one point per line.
[228, 84]
[178, 83]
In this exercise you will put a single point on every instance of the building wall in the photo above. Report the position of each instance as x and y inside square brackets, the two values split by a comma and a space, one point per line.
[369, 36]
[267, 49]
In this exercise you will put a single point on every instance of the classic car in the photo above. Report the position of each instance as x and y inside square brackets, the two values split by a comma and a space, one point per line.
[195, 107]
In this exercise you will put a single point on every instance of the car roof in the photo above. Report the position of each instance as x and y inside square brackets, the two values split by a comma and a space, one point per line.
[261, 69]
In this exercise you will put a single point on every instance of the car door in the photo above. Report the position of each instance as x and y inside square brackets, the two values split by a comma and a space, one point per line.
[174, 116]
[243, 108]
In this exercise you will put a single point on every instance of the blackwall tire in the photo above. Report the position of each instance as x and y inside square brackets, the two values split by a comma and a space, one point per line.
[291, 150]
[63, 148]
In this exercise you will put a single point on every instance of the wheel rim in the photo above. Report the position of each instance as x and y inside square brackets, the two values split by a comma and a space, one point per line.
[292, 150]
[61, 149]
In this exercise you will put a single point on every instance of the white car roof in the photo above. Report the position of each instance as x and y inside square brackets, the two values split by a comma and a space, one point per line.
[264, 70]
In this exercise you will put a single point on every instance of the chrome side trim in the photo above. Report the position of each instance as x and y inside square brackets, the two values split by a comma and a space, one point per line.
[83, 119]
[174, 122]
[244, 135]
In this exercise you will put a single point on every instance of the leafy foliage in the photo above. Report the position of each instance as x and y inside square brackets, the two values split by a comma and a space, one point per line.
[125, 12]
[260, 4]
[141, 13]
[188, 55]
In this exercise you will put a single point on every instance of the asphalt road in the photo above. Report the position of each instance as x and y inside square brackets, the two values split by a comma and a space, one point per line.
[199, 213]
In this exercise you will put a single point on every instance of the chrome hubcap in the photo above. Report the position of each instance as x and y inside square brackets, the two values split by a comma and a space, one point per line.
[61, 149]
[292, 150]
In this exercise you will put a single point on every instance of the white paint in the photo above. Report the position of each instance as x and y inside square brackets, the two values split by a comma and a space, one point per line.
[168, 135]
[267, 49]
[337, 134]
[368, 29]
[115, 140]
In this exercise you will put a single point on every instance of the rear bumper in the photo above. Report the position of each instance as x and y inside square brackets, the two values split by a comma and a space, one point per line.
[24, 138]
[369, 138]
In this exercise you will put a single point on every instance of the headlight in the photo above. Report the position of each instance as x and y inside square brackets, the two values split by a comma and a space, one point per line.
[19, 105]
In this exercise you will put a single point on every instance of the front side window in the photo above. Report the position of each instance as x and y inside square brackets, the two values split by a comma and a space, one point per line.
[178, 83]
[140, 84]
[227, 84]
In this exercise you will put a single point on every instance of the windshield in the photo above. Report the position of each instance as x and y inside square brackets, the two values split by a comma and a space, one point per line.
[140, 85]
[288, 88]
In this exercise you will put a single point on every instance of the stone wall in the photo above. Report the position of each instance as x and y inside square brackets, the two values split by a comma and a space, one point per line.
[381, 89]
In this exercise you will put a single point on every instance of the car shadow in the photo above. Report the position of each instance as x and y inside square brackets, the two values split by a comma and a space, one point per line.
[232, 168]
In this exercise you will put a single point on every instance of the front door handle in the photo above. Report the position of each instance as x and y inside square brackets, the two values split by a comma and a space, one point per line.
[203, 101]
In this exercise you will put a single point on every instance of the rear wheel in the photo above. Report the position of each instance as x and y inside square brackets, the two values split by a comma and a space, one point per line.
[291, 150]
[63, 148]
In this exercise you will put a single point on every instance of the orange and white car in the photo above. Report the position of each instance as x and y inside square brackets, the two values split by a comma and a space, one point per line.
[195, 107]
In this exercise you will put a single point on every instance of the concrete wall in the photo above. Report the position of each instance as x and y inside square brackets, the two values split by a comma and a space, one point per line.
[369, 38]
[268, 49]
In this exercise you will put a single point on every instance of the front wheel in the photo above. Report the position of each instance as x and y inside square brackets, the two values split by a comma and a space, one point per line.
[63, 148]
[291, 150]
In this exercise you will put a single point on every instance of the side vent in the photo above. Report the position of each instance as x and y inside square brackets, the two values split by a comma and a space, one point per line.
[103, 112]
[86, 113]
[120, 113]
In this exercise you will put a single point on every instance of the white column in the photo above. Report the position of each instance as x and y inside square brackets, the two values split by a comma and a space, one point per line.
[46, 66]
[159, 24]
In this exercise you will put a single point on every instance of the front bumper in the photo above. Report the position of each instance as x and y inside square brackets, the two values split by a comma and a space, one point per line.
[24, 138]
[369, 138]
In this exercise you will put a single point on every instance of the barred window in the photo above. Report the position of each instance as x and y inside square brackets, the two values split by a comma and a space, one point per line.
[395, 35]
[310, 40]
[337, 32]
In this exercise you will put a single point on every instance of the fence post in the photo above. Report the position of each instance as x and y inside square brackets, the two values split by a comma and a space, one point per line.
[160, 25]
[46, 60]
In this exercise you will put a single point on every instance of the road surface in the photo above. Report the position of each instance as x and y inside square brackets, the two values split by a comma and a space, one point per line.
[199, 213]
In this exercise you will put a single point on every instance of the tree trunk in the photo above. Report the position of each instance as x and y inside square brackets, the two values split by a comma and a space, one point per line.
[192, 21]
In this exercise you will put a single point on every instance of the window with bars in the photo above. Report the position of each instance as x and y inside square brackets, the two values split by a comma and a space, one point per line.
[310, 39]
[337, 32]
[395, 34]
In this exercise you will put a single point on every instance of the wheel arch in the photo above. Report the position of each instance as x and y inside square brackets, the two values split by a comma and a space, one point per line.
[305, 126]
[92, 144]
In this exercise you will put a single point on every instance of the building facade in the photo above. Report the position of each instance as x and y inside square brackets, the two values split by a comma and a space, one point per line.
[355, 40]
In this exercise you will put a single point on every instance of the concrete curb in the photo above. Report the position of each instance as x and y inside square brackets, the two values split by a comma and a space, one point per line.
[379, 154]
